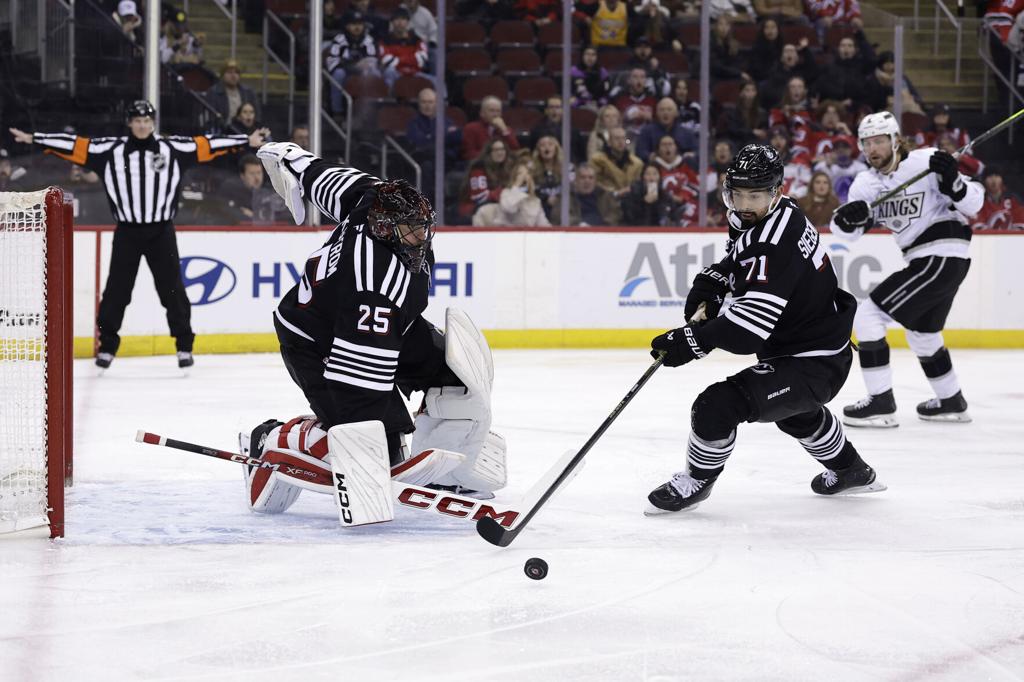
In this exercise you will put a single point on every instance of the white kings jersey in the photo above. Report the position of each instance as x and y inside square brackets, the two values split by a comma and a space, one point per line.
[924, 221]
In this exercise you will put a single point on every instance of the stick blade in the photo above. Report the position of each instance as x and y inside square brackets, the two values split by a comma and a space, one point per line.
[494, 533]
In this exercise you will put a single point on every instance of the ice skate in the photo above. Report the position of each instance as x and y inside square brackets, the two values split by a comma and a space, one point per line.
[853, 480]
[185, 360]
[251, 444]
[682, 493]
[952, 409]
[876, 411]
[103, 361]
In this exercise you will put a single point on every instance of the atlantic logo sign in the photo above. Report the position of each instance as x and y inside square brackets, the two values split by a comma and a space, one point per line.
[207, 280]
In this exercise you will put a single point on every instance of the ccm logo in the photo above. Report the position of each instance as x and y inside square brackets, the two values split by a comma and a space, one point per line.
[455, 506]
[343, 503]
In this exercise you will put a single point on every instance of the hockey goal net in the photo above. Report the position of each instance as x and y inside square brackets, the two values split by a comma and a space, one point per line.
[35, 359]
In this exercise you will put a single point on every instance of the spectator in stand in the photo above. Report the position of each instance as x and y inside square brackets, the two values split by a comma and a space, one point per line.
[14, 178]
[969, 165]
[727, 62]
[517, 204]
[244, 122]
[551, 124]
[796, 60]
[794, 109]
[487, 12]
[747, 122]
[332, 21]
[940, 125]
[228, 94]
[589, 205]
[609, 26]
[402, 52]
[490, 126]
[127, 17]
[422, 21]
[420, 138]
[647, 204]
[651, 22]
[739, 11]
[666, 123]
[766, 51]
[547, 173]
[843, 79]
[878, 88]
[796, 175]
[678, 179]
[785, 11]
[179, 46]
[827, 13]
[820, 202]
[608, 119]
[300, 136]
[1002, 210]
[376, 24]
[353, 52]
[643, 58]
[488, 175]
[689, 111]
[538, 12]
[636, 104]
[721, 157]
[828, 126]
[1005, 18]
[841, 165]
[247, 199]
[590, 84]
[617, 168]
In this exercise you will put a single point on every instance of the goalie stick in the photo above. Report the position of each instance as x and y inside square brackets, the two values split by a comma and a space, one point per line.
[406, 494]
[564, 468]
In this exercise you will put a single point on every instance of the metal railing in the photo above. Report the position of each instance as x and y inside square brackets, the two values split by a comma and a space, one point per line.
[45, 28]
[390, 141]
[349, 105]
[270, 19]
[232, 15]
[1007, 79]
[940, 8]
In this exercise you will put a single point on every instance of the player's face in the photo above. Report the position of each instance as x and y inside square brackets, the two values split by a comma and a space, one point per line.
[412, 236]
[878, 150]
[141, 126]
[750, 204]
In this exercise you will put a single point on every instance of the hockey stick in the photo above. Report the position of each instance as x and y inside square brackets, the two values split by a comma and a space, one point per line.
[407, 494]
[987, 135]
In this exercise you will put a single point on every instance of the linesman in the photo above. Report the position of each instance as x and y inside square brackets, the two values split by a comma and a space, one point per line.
[142, 174]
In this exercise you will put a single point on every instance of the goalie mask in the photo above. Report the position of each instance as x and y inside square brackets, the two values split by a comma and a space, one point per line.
[403, 218]
[753, 182]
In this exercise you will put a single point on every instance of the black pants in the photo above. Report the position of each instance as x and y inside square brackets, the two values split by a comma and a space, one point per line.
[158, 244]
[920, 295]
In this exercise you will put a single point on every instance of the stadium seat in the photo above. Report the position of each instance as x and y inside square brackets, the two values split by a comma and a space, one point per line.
[745, 34]
[614, 60]
[512, 34]
[367, 88]
[550, 35]
[393, 119]
[518, 62]
[457, 115]
[553, 62]
[470, 61]
[913, 123]
[407, 88]
[521, 119]
[675, 64]
[583, 120]
[534, 91]
[478, 87]
[724, 92]
[465, 34]
[689, 36]
[792, 33]
[196, 78]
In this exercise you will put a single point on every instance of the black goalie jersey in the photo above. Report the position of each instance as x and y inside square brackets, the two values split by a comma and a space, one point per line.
[786, 300]
[356, 299]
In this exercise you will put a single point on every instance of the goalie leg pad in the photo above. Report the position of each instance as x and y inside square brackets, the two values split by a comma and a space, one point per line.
[430, 466]
[486, 472]
[274, 490]
[358, 454]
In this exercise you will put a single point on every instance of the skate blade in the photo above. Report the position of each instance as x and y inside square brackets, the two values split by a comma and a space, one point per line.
[873, 487]
[953, 417]
[651, 510]
[888, 421]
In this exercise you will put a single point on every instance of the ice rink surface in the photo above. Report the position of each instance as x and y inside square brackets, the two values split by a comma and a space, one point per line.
[166, 575]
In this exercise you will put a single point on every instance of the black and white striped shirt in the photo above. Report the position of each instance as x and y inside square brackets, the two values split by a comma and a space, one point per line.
[142, 177]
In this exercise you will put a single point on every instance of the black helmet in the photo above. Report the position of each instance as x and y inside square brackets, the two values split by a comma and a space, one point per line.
[398, 210]
[756, 166]
[139, 109]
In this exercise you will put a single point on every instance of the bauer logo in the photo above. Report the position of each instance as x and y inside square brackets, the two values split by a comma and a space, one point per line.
[660, 278]
[207, 280]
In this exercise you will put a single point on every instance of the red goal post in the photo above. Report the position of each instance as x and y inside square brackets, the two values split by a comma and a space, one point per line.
[36, 304]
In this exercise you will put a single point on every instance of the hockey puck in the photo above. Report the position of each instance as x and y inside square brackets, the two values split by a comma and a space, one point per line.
[536, 569]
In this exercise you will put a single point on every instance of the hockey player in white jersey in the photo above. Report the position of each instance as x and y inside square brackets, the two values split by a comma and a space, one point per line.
[930, 221]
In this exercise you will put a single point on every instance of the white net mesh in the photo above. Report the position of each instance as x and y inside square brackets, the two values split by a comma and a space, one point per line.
[22, 360]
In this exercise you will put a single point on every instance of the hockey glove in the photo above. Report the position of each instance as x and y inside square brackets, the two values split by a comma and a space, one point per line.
[709, 287]
[950, 182]
[679, 345]
[853, 216]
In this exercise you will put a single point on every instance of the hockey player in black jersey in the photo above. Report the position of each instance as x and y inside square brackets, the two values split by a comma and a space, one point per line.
[354, 339]
[786, 306]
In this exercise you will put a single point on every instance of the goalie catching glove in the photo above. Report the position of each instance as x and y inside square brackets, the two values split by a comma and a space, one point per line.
[284, 163]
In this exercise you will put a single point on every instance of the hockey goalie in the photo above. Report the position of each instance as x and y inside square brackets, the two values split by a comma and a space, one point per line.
[354, 339]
